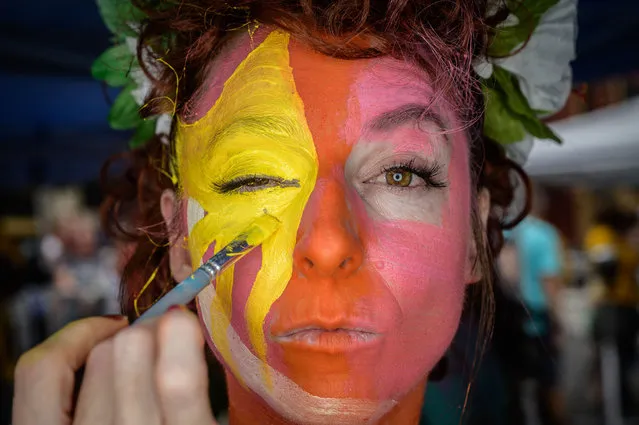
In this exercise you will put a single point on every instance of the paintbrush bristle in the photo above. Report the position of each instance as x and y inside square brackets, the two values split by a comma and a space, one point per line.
[260, 230]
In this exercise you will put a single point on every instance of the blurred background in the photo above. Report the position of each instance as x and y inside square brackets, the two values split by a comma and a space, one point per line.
[56, 266]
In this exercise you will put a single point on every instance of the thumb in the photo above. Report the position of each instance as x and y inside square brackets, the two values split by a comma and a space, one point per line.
[44, 376]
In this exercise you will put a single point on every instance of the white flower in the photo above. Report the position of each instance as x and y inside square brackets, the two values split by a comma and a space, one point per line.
[132, 44]
[519, 151]
[163, 126]
[144, 86]
[510, 21]
[141, 80]
[543, 66]
[483, 67]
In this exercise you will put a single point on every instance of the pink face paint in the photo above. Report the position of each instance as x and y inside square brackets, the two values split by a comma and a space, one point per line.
[422, 261]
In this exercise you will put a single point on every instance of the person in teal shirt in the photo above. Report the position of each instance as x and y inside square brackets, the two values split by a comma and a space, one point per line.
[522, 346]
[540, 266]
[540, 263]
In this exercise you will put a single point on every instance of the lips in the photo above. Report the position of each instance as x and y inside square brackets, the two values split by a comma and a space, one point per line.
[326, 338]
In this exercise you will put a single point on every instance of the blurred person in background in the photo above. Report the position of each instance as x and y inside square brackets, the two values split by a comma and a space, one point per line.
[11, 263]
[611, 245]
[21, 280]
[26, 283]
[536, 263]
[85, 274]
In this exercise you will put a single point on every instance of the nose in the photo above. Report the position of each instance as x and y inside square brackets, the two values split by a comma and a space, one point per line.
[328, 241]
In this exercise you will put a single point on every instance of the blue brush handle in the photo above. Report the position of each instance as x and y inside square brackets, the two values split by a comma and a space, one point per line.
[187, 290]
[183, 293]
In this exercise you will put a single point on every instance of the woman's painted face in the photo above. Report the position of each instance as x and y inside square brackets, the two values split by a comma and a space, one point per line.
[359, 293]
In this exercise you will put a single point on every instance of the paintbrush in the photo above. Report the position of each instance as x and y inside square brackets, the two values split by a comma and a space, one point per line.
[187, 290]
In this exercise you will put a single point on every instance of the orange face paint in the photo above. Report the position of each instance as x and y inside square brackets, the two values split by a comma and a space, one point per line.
[375, 286]
[405, 252]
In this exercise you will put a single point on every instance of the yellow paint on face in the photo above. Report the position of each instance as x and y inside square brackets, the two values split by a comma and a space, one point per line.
[256, 128]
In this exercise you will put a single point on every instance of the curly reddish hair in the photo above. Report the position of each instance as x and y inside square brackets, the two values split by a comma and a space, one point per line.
[442, 38]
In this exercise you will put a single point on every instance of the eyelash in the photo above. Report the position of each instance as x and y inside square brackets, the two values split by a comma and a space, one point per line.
[245, 184]
[430, 173]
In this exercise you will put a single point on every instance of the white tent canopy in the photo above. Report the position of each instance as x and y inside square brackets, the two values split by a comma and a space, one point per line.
[600, 147]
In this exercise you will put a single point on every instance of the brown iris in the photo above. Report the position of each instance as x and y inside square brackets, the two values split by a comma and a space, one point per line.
[401, 178]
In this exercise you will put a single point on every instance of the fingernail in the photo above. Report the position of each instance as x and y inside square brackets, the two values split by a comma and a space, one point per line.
[177, 307]
[114, 316]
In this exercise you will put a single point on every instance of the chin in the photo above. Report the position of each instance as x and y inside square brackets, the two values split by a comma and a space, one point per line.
[293, 400]
[345, 373]
[299, 407]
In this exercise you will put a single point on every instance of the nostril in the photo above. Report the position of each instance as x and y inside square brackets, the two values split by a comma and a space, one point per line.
[345, 263]
[308, 264]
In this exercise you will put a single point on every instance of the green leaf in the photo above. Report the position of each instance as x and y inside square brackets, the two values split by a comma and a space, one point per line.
[119, 16]
[508, 115]
[529, 13]
[540, 130]
[144, 132]
[500, 123]
[124, 112]
[114, 65]
[541, 112]
[509, 84]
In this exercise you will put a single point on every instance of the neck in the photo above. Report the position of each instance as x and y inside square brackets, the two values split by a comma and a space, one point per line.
[247, 408]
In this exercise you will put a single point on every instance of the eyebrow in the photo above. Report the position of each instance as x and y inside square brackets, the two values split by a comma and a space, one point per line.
[260, 125]
[412, 112]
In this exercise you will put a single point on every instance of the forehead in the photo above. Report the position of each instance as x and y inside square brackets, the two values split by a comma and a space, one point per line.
[352, 92]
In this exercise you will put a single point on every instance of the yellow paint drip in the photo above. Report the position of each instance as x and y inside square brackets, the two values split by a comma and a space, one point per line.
[257, 127]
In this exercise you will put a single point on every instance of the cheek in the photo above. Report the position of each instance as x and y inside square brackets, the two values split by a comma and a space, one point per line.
[423, 266]
[245, 273]
[424, 261]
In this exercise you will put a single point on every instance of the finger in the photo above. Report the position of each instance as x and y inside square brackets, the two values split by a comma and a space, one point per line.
[44, 376]
[95, 402]
[181, 372]
[134, 382]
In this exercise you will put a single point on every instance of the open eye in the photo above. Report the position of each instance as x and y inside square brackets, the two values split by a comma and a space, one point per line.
[253, 183]
[409, 175]
[400, 178]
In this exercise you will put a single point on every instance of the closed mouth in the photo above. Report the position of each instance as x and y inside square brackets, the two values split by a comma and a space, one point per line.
[331, 340]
